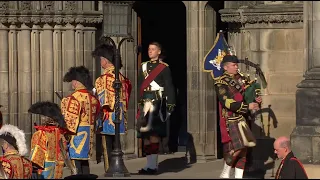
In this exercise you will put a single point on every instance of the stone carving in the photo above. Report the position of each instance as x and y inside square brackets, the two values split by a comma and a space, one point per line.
[4, 5]
[35, 20]
[258, 18]
[48, 5]
[268, 14]
[93, 18]
[71, 5]
[25, 5]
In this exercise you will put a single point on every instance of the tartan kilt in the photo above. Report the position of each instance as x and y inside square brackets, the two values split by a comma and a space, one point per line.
[236, 142]
[159, 128]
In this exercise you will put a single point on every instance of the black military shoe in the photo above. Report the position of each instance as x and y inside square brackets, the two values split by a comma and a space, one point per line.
[148, 171]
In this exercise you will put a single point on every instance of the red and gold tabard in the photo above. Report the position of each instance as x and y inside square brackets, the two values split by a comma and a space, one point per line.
[80, 110]
[15, 166]
[46, 152]
[106, 95]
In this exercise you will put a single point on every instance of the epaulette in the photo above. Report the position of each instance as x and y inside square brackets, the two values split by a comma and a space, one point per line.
[164, 63]
[221, 80]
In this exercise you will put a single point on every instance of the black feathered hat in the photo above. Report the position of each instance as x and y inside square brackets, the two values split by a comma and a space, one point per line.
[49, 109]
[81, 74]
[230, 58]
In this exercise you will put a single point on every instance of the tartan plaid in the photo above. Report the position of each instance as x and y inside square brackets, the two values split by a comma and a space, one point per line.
[235, 136]
[241, 162]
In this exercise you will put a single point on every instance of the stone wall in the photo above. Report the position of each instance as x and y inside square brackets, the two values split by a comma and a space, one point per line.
[40, 41]
[273, 36]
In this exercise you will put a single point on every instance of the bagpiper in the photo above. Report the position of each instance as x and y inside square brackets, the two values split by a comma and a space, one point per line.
[13, 143]
[80, 110]
[48, 143]
[157, 101]
[106, 94]
[235, 133]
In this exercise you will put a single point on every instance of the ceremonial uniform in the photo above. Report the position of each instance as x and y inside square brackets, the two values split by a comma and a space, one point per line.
[291, 168]
[157, 96]
[235, 133]
[106, 96]
[106, 93]
[48, 143]
[80, 110]
[14, 164]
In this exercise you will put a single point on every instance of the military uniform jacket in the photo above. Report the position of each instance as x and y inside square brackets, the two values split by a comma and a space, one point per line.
[15, 166]
[106, 96]
[80, 110]
[164, 80]
[230, 89]
[291, 168]
[46, 153]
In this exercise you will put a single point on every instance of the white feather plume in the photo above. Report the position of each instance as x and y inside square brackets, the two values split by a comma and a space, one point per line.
[18, 134]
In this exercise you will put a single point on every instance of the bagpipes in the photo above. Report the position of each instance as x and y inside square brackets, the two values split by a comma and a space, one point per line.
[253, 88]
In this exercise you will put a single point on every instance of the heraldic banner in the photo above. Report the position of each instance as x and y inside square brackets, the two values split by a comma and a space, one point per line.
[214, 57]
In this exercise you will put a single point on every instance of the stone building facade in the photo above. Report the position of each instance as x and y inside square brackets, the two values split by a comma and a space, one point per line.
[40, 40]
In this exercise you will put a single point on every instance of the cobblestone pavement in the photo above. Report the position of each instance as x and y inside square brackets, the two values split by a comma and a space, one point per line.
[170, 166]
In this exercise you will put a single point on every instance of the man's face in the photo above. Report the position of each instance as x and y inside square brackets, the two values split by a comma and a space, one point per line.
[74, 84]
[153, 51]
[104, 62]
[280, 151]
[231, 68]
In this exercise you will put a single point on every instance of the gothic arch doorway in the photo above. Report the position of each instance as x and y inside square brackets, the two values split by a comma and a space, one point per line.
[165, 22]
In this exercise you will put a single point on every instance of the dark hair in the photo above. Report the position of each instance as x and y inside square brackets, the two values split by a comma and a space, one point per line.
[156, 44]
[106, 51]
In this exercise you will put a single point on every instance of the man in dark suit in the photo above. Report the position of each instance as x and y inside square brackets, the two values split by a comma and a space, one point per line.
[290, 167]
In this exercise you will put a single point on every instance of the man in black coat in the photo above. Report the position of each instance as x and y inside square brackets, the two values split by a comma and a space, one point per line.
[290, 167]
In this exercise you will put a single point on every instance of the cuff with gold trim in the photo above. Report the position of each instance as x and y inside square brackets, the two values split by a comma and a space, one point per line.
[244, 108]
[170, 107]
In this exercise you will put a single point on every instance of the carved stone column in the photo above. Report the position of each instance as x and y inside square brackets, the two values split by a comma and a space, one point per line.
[47, 64]
[79, 39]
[24, 80]
[13, 75]
[68, 54]
[201, 102]
[35, 66]
[57, 66]
[305, 138]
[4, 72]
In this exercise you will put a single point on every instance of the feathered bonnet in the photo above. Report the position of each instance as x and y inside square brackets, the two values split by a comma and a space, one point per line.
[81, 74]
[15, 137]
[49, 109]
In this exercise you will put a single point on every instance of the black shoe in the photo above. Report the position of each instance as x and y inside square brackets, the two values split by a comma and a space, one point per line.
[147, 172]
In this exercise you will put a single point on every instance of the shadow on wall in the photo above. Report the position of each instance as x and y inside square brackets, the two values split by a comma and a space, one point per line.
[261, 158]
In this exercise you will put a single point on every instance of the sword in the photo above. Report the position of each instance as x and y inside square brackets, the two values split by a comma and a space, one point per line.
[59, 96]
[66, 159]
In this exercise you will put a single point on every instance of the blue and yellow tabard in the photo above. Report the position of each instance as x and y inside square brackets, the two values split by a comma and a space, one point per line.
[80, 110]
[106, 95]
[46, 152]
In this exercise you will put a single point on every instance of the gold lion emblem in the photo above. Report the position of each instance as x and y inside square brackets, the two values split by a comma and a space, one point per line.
[218, 59]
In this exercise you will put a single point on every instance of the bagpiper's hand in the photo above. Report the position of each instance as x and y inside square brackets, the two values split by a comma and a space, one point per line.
[259, 99]
[170, 107]
[254, 106]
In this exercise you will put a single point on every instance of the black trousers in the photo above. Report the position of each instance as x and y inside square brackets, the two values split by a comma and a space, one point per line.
[82, 166]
